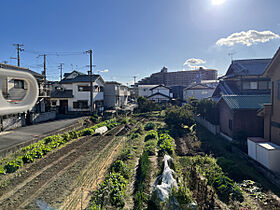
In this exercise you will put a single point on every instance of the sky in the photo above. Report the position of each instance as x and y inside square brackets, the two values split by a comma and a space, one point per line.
[137, 37]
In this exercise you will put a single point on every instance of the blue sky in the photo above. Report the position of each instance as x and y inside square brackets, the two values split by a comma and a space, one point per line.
[138, 37]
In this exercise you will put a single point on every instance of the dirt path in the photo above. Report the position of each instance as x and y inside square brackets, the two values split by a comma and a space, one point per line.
[51, 178]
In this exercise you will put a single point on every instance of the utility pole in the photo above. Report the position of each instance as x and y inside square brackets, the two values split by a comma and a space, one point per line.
[90, 80]
[60, 67]
[19, 49]
[44, 72]
[134, 78]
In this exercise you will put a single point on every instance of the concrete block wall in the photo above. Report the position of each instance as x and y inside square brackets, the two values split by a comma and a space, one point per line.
[215, 129]
[13, 122]
[42, 117]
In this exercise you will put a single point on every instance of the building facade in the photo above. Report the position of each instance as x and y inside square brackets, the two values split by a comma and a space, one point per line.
[115, 95]
[271, 111]
[239, 113]
[198, 91]
[73, 93]
[160, 94]
[244, 77]
[179, 78]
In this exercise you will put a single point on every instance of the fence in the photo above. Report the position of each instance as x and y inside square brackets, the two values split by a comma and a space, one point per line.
[215, 129]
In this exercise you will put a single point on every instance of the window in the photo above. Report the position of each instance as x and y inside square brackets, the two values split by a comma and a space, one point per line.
[80, 104]
[263, 85]
[250, 85]
[83, 88]
[253, 85]
[230, 124]
[204, 92]
[18, 84]
[53, 103]
[246, 85]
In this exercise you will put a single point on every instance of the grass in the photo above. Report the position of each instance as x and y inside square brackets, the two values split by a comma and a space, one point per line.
[232, 164]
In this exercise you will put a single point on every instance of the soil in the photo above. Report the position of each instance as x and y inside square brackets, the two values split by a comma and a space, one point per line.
[54, 177]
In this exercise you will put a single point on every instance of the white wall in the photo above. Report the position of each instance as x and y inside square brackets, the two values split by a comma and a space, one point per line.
[158, 98]
[83, 95]
[162, 90]
[199, 94]
[144, 90]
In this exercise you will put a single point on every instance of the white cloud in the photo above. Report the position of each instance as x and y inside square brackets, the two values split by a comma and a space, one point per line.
[105, 70]
[194, 63]
[247, 38]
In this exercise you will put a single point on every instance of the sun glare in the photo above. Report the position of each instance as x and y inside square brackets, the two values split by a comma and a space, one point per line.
[217, 2]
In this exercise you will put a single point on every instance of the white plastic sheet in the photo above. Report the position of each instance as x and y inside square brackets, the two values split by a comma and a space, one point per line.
[166, 179]
[101, 130]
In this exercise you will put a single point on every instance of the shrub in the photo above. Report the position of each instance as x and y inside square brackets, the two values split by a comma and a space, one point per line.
[73, 134]
[178, 117]
[13, 165]
[152, 134]
[111, 190]
[166, 144]
[126, 154]
[66, 137]
[149, 126]
[87, 132]
[141, 182]
[27, 158]
[120, 167]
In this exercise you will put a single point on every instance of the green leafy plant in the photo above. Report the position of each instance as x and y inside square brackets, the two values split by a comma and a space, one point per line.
[149, 126]
[152, 134]
[13, 165]
[120, 167]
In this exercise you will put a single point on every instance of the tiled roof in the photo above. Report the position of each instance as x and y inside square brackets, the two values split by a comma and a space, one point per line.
[247, 67]
[62, 94]
[246, 101]
[80, 78]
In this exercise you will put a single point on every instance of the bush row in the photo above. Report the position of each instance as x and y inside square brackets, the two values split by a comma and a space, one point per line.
[141, 182]
[111, 191]
[223, 185]
[166, 144]
[41, 148]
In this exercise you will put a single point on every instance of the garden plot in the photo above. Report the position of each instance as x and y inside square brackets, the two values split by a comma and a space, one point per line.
[52, 175]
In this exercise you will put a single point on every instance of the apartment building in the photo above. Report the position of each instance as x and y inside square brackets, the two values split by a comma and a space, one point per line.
[179, 78]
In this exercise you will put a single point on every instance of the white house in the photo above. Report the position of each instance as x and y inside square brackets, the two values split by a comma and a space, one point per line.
[115, 95]
[160, 93]
[198, 91]
[144, 90]
[73, 93]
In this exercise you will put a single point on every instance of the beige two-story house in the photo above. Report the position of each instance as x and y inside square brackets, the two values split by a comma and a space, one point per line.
[271, 111]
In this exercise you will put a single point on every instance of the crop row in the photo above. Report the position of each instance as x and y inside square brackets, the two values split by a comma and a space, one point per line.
[37, 150]
[112, 191]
